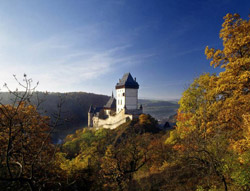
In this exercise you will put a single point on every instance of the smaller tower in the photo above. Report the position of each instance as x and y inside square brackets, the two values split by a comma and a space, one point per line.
[110, 106]
[90, 116]
[141, 108]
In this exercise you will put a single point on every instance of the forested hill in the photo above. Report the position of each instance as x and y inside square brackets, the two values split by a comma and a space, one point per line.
[76, 104]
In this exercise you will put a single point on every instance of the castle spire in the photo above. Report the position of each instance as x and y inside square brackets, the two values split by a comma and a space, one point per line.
[91, 109]
[112, 94]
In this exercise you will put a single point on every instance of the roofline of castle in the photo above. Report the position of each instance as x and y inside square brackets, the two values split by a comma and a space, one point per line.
[126, 86]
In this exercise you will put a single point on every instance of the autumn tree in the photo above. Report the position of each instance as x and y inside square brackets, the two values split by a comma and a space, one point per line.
[211, 123]
[232, 87]
[80, 158]
[120, 163]
[26, 153]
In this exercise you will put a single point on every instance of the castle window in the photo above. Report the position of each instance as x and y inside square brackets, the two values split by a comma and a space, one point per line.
[123, 94]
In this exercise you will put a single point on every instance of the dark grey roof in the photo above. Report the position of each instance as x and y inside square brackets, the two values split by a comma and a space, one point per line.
[91, 109]
[127, 81]
[111, 103]
[98, 109]
[94, 110]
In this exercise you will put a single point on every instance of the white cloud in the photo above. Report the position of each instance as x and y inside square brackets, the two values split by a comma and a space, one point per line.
[62, 61]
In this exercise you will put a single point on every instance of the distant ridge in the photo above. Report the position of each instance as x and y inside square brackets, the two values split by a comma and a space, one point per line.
[76, 107]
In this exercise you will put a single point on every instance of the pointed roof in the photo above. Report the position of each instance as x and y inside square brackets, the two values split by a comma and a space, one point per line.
[91, 109]
[127, 81]
[111, 103]
[95, 110]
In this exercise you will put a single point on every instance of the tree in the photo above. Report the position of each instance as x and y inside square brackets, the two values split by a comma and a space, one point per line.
[211, 132]
[120, 163]
[26, 154]
[232, 87]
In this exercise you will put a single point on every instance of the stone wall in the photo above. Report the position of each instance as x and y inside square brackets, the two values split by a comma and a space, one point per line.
[113, 121]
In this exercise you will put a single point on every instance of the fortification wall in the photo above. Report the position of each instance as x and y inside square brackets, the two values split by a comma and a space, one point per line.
[113, 121]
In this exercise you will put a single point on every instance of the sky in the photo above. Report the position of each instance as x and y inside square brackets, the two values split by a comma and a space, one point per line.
[87, 45]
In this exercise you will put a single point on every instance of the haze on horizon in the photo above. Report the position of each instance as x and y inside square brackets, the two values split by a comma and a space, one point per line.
[87, 46]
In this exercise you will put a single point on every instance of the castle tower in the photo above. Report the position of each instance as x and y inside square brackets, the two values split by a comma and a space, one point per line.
[126, 93]
[110, 106]
[90, 116]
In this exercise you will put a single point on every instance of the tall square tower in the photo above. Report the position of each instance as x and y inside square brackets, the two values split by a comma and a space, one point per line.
[126, 93]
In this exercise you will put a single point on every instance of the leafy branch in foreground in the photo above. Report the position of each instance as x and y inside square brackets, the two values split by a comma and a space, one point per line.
[26, 154]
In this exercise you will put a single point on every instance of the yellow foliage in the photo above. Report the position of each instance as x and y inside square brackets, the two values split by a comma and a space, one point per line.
[144, 119]
[214, 116]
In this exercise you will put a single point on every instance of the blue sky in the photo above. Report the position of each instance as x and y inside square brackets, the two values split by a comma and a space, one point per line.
[87, 45]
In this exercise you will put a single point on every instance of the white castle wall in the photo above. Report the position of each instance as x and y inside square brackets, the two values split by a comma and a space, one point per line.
[113, 121]
[120, 99]
[128, 97]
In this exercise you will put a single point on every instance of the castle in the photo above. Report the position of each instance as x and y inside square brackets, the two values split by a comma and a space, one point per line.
[120, 110]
